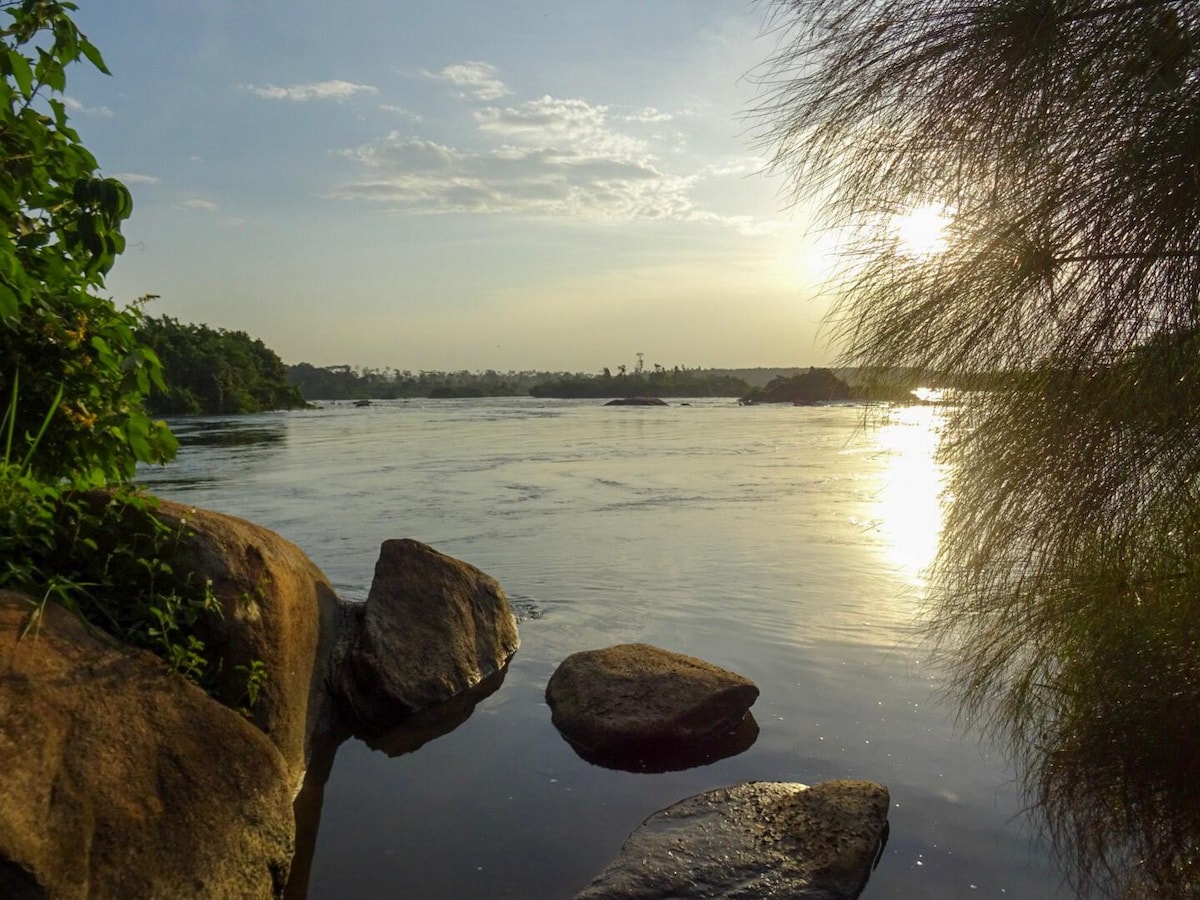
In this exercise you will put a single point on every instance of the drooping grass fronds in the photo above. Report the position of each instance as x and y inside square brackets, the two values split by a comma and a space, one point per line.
[1062, 138]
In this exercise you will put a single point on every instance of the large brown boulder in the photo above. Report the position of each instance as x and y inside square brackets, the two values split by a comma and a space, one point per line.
[636, 700]
[785, 841]
[432, 626]
[120, 779]
[276, 607]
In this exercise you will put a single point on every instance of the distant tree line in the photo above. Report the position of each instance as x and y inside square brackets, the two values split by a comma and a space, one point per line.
[656, 382]
[344, 382]
[215, 371]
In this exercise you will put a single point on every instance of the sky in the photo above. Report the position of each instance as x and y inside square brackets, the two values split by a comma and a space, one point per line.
[454, 184]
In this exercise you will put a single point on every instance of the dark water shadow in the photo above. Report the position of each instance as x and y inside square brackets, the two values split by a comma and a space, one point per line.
[229, 434]
[409, 736]
[675, 757]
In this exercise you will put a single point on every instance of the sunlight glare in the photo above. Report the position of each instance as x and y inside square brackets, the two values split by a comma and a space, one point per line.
[922, 232]
[909, 507]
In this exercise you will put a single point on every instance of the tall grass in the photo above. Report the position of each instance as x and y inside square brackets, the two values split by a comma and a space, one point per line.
[1062, 138]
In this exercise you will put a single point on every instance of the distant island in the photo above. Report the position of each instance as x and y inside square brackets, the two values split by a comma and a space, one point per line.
[813, 386]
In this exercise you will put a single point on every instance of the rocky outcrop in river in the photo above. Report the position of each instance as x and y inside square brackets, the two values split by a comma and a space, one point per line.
[636, 701]
[432, 627]
[753, 840]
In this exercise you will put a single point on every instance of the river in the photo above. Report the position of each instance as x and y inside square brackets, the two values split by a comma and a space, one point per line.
[784, 543]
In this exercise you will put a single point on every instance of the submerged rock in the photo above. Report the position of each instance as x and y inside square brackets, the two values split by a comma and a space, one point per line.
[637, 401]
[639, 702]
[756, 840]
[121, 779]
[432, 626]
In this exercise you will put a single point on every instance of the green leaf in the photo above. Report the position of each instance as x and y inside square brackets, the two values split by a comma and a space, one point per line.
[22, 73]
[9, 301]
[93, 55]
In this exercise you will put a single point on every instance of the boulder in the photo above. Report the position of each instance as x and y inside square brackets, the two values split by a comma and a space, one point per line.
[784, 841]
[432, 626]
[277, 607]
[120, 779]
[639, 701]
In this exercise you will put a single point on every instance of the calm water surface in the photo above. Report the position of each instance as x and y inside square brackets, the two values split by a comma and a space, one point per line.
[784, 543]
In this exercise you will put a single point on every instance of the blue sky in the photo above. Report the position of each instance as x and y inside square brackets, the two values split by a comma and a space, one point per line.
[453, 184]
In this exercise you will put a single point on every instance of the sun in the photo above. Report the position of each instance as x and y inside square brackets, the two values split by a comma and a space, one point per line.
[922, 232]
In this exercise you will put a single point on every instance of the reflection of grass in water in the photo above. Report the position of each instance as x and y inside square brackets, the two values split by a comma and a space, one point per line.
[1117, 769]
[226, 436]
[1067, 598]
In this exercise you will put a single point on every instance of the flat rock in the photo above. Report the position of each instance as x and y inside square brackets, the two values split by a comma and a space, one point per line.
[432, 627]
[120, 779]
[642, 702]
[754, 841]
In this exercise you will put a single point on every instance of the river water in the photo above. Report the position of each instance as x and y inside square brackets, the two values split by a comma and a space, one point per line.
[784, 543]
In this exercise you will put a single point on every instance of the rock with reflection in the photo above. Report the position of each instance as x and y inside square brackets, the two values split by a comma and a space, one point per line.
[641, 707]
[754, 840]
[432, 627]
[430, 724]
[675, 757]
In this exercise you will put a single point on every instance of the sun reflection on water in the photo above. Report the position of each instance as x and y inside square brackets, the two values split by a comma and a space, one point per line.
[909, 506]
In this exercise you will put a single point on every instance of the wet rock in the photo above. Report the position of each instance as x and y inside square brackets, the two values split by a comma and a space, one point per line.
[432, 626]
[756, 840]
[639, 702]
[120, 779]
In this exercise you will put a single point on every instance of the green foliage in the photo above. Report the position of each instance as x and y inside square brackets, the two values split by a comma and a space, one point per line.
[61, 235]
[1061, 139]
[73, 373]
[214, 371]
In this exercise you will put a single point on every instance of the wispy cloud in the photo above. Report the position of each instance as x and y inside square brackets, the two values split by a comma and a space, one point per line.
[549, 157]
[400, 111]
[317, 90]
[99, 112]
[136, 178]
[478, 79]
[648, 114]
[198, 205]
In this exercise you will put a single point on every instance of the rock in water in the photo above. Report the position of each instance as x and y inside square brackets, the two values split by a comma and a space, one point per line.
[637, 401]
[635, 700]
[750, 841]
[120, 779]
[432, 626]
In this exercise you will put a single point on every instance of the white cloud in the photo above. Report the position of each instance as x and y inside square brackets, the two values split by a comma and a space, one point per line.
[318, 90]
[195, 203]
[479, 79]
[136, 178]
[73, 105]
